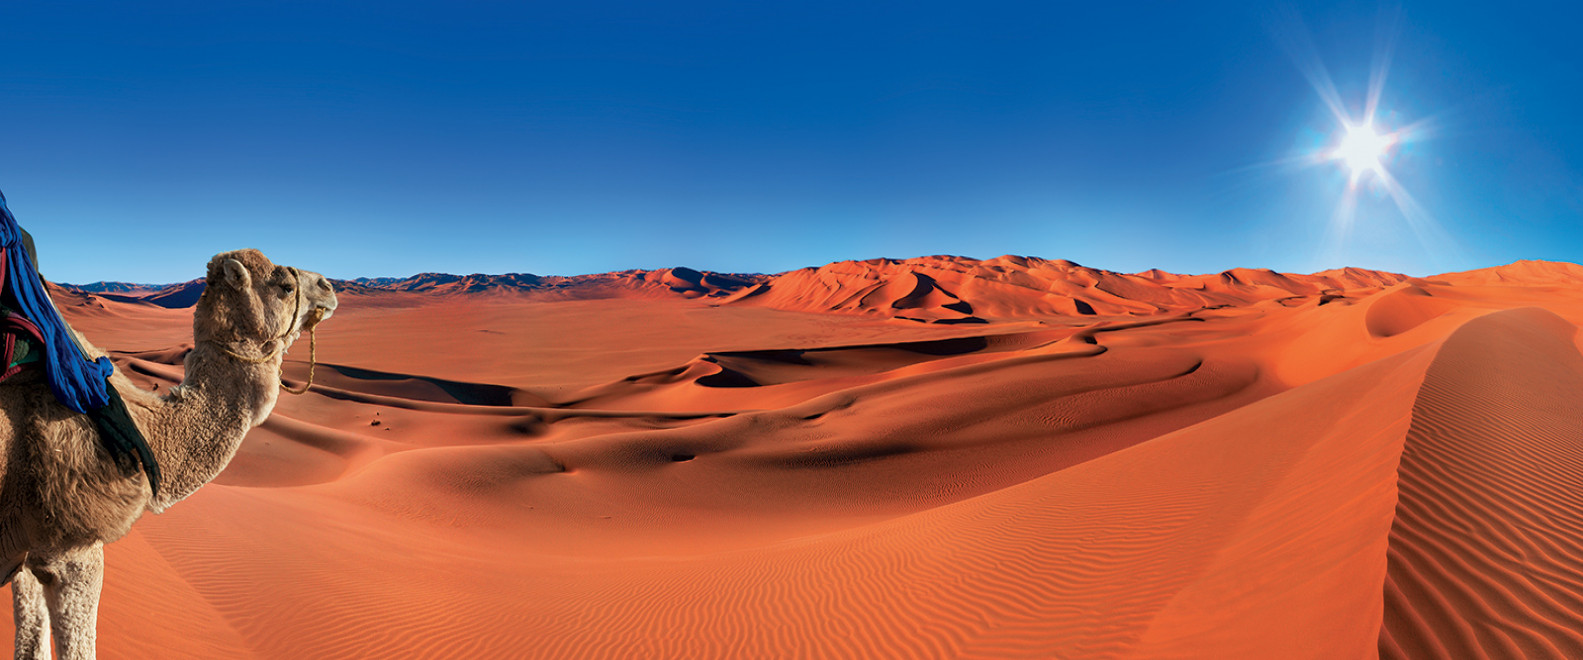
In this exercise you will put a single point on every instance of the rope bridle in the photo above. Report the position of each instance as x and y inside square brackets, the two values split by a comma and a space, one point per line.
[310, 323]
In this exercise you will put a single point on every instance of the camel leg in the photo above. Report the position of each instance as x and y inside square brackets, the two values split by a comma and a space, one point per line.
[73, 598]
[32, 616]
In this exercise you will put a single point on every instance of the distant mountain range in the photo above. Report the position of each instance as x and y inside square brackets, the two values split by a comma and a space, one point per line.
[115, 287]
[666, 282]
[684, 282]
[937, 289]
[184, 294]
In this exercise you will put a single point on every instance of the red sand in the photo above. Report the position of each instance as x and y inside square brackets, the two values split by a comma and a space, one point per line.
[676, 464]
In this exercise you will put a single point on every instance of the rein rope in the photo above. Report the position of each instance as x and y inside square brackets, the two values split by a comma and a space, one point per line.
[312, 323]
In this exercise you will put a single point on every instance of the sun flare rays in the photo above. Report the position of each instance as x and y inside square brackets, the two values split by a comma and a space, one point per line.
[1361, 145]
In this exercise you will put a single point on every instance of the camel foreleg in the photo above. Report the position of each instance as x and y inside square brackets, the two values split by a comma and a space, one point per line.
[31, 615]
[72, 594]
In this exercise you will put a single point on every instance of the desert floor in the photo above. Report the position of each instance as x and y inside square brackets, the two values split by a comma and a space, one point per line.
[1393, 468]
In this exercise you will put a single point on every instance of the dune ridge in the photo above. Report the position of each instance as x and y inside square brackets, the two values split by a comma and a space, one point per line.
[958, 289]
[1485, 555]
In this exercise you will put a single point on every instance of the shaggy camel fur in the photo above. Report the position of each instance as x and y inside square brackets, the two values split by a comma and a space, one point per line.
[62, 497]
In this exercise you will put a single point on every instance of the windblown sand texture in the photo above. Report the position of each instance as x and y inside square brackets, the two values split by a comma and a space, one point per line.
[936, 457]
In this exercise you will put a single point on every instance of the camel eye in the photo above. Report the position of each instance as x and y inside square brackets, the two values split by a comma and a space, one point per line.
[288, 286]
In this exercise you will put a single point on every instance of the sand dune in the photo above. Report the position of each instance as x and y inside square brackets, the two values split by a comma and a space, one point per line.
[935, 457]
[957, 289]
[1486, 558]
[939, 289]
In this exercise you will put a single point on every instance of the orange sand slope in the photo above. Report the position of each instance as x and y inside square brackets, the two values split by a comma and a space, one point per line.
[937, 457]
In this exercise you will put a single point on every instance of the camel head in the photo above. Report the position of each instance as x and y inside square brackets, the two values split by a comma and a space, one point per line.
[249, 299]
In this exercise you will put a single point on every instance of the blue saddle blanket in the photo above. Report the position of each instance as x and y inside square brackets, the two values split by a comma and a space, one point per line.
[78, 382]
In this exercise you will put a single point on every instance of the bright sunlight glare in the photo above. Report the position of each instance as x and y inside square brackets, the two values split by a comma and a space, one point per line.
[1362, 148]
[1359, 144]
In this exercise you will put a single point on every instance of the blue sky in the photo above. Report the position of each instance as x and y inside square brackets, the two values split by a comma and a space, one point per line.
[563, 138]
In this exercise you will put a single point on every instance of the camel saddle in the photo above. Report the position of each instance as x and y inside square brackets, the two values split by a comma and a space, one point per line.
[35, 333]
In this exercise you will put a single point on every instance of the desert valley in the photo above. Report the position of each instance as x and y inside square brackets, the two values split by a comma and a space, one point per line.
[933, 457]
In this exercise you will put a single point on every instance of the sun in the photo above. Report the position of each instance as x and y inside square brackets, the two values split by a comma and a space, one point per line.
[1362, 149]
[1366, 149]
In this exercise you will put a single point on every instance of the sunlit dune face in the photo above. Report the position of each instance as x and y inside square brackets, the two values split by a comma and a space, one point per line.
[1362, 149]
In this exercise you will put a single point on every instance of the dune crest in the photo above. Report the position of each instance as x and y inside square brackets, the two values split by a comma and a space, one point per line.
[1011, 287]
[1486, 560]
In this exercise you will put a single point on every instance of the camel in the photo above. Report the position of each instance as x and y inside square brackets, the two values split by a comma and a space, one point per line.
[62, 497]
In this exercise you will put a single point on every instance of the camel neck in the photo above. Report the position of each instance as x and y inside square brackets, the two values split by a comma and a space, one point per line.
[196, 429]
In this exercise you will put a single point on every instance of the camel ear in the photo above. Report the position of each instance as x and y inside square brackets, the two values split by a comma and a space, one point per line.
[235, 274]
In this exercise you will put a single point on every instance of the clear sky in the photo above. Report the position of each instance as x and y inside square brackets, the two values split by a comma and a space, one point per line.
[376, 139]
